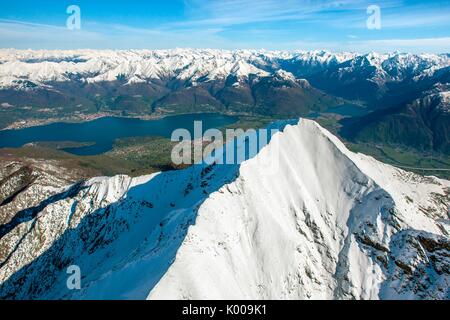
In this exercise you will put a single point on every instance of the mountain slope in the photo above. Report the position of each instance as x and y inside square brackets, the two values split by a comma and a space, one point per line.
[323, 228]
[422, 124]
[328, 224]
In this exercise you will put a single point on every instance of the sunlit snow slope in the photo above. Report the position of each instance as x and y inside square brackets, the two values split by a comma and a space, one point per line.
[328, 224]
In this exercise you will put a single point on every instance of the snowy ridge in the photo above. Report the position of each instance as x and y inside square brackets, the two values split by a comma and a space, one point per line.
[301, 236]
[329, 224]
[90, 66]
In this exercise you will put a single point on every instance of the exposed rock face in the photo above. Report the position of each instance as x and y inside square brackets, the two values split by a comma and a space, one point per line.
[327, 224]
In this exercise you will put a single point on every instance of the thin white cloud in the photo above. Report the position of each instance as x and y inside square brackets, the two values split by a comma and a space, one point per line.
[396, 20]
[236, 12]
[423, 19]
[207, 24]
[421, 42]
[419, 45]
[24, 35]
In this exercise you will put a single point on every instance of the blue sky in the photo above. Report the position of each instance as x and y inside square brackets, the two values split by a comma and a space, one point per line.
[413, 26]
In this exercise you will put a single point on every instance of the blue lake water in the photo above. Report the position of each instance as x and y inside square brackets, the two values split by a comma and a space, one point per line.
[104, 131]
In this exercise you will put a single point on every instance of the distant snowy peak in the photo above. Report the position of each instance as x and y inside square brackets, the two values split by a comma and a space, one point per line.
[394, 67]
[400, 66]
[135, 66]
[323, 58]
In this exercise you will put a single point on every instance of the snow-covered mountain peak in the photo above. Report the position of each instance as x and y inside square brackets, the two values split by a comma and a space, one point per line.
[328, 223]
[285, 75]
[323, 228]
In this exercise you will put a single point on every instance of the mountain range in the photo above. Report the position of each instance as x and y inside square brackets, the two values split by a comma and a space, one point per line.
[36, 85]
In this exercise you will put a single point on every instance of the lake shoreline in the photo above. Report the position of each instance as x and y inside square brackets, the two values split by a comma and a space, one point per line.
[98, 136]
[23, 124]
[75, 119]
